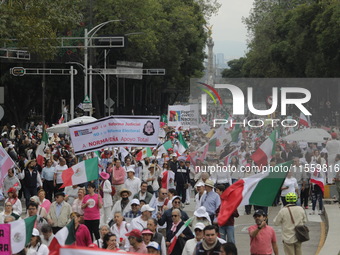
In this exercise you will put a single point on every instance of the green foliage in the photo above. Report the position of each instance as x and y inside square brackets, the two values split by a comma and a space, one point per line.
[235, 69]
[296, 38]
[36, 23]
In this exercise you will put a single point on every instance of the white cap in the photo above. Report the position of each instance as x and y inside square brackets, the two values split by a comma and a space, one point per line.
[173, 155]
[147, 208]
[135, 201]
[13, 126]
[153, 245]
[11, 146]
[35, 232]
[200, 184]
[130, 169]
[200, 226]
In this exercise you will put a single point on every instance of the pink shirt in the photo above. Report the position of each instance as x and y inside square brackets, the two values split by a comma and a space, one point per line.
[262, 243]
[119, 175]
[92, 211]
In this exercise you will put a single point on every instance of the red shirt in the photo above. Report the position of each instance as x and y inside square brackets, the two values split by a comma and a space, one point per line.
[83, 236]
[262, 242]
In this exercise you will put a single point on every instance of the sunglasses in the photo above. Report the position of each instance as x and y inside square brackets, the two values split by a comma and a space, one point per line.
[164, 193]
[176, 202]
[174, 215]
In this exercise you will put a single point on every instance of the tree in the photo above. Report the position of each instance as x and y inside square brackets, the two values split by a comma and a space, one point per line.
[35, 24]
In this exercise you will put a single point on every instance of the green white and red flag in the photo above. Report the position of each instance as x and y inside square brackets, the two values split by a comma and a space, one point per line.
[40, 154]
[82, 172]
[264, 153]
[175, 238]
[21, 233]
[65, 236]
[260, 189]
[145, 153]
[182, 146]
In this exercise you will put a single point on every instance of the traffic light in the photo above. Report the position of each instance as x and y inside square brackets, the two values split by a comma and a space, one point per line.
[18, 71]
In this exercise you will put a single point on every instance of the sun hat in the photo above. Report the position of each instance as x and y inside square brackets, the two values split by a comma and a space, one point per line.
[104, 175]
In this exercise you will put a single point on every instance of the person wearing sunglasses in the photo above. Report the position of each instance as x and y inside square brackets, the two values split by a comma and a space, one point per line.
[166, 216]
[176, 225]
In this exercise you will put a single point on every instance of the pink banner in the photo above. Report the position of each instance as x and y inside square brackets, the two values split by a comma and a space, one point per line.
[5, 239]
[5, 163]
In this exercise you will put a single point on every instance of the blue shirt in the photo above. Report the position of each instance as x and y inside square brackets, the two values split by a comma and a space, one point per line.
[47, 173]
[211, 201]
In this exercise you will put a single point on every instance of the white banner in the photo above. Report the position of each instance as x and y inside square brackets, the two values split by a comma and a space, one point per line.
[183, 116]
[115, 131]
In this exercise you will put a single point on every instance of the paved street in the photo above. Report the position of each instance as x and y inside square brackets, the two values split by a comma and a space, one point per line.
[244, 221]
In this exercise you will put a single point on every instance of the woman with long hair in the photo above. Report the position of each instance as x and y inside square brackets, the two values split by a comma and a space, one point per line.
[83, 237]
[36, 247]
[110, 242]
[14, 200]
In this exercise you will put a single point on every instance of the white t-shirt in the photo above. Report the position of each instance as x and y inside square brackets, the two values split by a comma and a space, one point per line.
[292, 185]
[59, 170]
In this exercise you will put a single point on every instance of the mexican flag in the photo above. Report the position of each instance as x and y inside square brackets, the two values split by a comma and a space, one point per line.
[260, 189]
[182, 146]
[180, 231]
[235, 133]
[82, 172]
[318, 179]
[21, 233]
[146, 152]
[165, 147]
[304, 121]
[263, 154]
[65, 236]
[40, 154]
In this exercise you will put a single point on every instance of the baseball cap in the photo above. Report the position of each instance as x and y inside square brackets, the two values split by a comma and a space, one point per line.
[147, 208]
[35, 232]
[130, 169]
[200, 184]
[134, 233]
[135, 201]
[153, 245]
[199, 225]
[147, 231]
[259, 212]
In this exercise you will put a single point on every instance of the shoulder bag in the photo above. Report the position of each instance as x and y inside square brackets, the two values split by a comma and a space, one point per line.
[301, 231]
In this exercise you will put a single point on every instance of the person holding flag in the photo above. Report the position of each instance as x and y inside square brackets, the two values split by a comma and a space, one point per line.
[176, 227]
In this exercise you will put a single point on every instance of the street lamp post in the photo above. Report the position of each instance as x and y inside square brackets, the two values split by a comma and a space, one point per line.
[87, 38]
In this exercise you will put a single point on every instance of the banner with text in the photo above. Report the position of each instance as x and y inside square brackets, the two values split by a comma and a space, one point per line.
[115, 131]
[5, 239]
[183, 116]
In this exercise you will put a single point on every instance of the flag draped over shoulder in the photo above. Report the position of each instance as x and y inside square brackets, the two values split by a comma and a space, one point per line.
[260, 189]
[65, 236]
[82, 172]
[21, 233]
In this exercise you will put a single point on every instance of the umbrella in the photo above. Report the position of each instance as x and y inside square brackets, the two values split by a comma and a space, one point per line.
[64, 127]
[311, 135]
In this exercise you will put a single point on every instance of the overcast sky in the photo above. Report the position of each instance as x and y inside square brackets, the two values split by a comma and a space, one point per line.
[229, 33]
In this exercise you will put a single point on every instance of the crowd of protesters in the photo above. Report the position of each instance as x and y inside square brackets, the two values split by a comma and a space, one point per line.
[139, 206]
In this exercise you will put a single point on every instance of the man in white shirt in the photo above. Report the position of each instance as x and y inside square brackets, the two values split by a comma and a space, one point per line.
[141, 222]
[58, 170]
[132, 183]
[200, 192]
